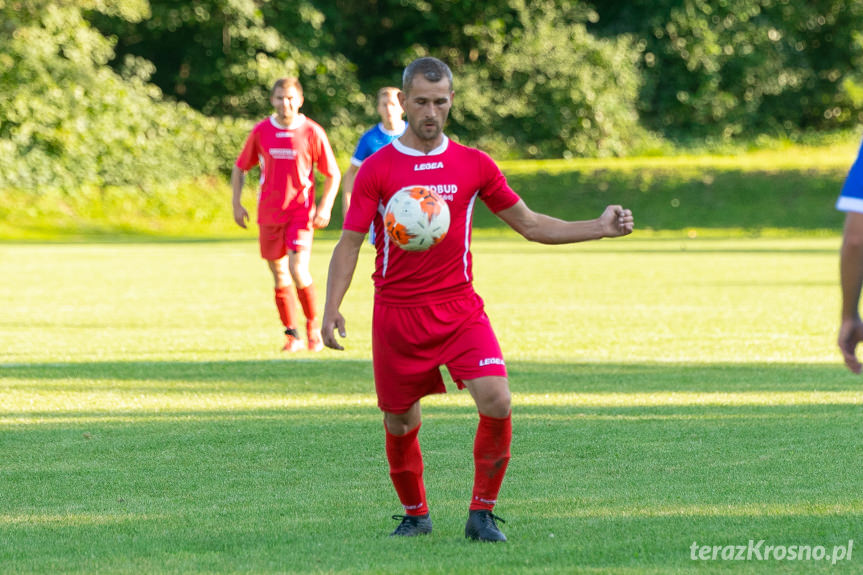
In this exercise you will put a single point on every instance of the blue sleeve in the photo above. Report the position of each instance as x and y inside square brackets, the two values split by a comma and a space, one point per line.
[364, 148]
[851, 197]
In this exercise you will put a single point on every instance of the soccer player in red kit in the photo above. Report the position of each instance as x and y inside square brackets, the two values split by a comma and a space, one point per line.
[287, 146]
[426, 312]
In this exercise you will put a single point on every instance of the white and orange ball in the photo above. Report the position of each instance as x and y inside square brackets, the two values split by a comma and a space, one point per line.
[416, 218]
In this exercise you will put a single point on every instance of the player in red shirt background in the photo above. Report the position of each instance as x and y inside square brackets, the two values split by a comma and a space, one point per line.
[426, 313]
[288, 146]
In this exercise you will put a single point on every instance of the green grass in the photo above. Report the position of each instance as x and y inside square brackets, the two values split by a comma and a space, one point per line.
[666, 390]
[753, 193]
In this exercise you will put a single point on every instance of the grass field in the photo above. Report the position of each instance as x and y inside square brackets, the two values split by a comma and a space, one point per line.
[758, 192]
[666, 391]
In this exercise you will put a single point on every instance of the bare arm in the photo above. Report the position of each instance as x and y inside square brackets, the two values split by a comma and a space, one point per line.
[614, 221]
[341, 272]
[851, 279]
[328, 198]
[348, 187]
[238, 180]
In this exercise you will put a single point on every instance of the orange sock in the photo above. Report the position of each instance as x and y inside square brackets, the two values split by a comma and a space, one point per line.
[306, 296]
[287, 308]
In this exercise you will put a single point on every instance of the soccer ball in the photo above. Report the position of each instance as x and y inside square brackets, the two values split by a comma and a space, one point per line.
[416, 218]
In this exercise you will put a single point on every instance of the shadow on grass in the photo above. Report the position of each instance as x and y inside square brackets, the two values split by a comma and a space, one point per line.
[677, 247]
[678, 198]
[350, 376]
[487, 240]
[99, 235]
[662, 198]
[370, 415]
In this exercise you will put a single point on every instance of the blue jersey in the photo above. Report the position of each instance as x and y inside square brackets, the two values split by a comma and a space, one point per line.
[372, 141]
[851, 197]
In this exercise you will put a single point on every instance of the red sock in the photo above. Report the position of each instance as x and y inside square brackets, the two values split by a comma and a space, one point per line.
[306, 296]
[406, 470]
[285, 305]
[490, 458]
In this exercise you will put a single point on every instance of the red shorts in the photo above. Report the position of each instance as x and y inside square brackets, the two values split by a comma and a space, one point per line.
[277, 240]
[409, 344]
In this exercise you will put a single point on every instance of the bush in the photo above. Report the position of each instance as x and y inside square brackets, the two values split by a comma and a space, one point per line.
[543, 86]
[222, 56]
[744, 67]
[69, 121]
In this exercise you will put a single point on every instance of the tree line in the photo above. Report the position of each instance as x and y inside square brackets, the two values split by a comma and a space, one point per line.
[113, 92]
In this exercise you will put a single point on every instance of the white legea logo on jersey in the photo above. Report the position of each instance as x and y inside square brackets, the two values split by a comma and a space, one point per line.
[428, 166]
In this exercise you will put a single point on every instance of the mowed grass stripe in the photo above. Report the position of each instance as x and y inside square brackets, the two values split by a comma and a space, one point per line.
[112, 402]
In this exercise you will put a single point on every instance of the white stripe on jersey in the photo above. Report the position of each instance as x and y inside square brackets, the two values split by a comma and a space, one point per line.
[468, 217]
[849, 204]
[262, 177]
[382, 210]
[306, 194]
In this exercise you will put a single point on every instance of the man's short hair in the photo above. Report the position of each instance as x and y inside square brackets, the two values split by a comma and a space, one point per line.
[431, 69]
[286, 83]
[386, 90]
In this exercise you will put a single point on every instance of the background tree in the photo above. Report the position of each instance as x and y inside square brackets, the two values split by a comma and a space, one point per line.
[536, 82]
[68, 120]
[743, 66]
[541, 78]
[222, 56]
[116, 92]
[531, 80]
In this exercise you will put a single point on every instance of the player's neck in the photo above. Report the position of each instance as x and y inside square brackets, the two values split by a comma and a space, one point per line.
[287, 122]
[410, 140]
[393, 125]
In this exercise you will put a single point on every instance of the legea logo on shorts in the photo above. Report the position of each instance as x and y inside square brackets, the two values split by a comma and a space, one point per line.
[491, 361]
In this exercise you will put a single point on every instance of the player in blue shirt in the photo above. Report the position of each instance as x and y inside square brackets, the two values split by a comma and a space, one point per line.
[851, 264]
[390, 127]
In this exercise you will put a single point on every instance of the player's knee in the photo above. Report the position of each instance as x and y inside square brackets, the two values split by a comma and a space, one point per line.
[497, 404]
[282, 280]
[400, 423]
[301, 274]
[504, 405]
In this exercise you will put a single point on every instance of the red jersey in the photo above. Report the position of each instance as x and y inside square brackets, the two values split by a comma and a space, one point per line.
[459, 174]
[287, 156]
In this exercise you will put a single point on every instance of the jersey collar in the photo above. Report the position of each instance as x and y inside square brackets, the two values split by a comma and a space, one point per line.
[298, 121]
[383, 129]
[413, 152]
